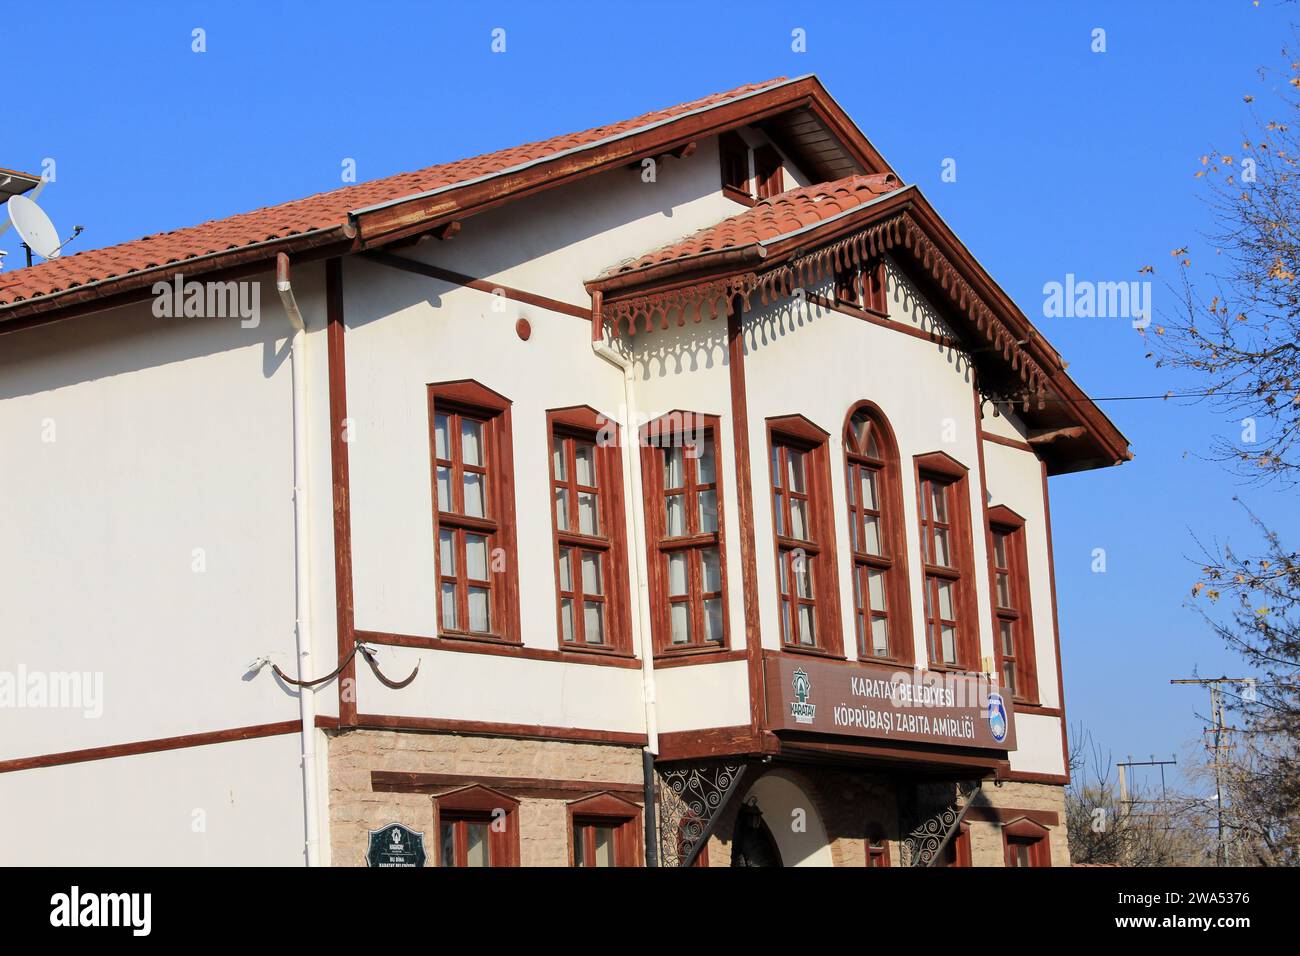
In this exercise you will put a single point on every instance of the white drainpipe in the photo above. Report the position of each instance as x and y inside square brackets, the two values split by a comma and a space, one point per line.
[302, 556]
[632, 481]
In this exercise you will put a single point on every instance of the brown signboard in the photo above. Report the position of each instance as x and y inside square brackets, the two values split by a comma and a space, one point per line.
[886, 702]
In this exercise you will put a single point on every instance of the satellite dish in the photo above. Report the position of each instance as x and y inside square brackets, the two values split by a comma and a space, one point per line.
[34, 227]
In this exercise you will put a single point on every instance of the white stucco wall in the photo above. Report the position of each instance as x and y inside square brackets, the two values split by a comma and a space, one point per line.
[147, 521]
[230, 804]
[805, 359]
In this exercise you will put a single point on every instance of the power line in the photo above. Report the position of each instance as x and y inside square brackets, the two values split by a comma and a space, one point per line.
[1167, 396]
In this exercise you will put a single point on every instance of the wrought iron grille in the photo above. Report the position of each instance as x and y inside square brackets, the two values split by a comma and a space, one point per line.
[691, 798]
[935, 822]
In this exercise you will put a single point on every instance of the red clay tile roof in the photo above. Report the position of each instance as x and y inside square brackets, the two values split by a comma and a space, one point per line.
[321, 211]
[769, 218]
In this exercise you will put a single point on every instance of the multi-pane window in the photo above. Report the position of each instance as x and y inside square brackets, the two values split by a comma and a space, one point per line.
[584, 545]
[466, 481]
[1007, 613]
[683, 500]
[943, 575]
[1014, 634]
[879, 570]
[792, 506]
[804, 535]
[586, 508]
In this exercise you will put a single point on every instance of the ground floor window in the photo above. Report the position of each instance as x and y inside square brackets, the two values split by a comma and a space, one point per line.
[593, 843]
[957, 852]
[604, 831]
[1026, 844]
[464, 842]
[877, 847]
[477, 826]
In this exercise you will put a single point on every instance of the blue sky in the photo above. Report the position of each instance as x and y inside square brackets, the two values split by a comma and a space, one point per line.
[1068, 161]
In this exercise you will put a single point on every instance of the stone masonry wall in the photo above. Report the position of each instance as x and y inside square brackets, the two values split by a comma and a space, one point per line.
[543, 824]
[986, 848]
[846, 801]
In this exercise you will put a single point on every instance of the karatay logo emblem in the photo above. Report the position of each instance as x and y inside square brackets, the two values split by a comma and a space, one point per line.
[802, 711]
[997, 717]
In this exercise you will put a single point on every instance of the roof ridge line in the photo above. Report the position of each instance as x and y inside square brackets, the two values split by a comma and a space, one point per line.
[582, 147]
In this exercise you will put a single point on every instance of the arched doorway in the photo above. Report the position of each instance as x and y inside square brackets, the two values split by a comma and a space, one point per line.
[789, 831]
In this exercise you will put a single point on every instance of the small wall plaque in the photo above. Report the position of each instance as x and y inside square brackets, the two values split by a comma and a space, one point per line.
[395, 845]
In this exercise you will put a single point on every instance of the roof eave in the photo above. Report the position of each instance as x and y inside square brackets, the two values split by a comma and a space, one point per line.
[374, 226]
[770, 252]
[101, 294]
[399, 219]
[1109, 446]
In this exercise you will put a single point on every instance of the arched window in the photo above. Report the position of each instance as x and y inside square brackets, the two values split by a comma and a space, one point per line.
[880, 595]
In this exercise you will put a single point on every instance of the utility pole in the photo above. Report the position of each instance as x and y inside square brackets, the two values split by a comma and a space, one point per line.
[1124, 765]
[1126, 805]
[1217, 729]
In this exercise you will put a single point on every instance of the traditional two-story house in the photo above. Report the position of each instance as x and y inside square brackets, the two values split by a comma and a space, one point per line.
[673, 491]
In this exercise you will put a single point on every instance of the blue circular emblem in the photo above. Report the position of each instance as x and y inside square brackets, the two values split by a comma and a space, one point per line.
[997, 718]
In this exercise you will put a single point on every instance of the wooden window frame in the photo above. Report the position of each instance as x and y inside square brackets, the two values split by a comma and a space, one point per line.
[1004, 521]
[889, 492]
[769, 172]
[1034, 836]
[607, 810]
[479, 804]
[797, 432]
[864, 287]
[877, 847]
[734, 151]
[584, 423]
[959, 846]
[941, 468]
[468, 398]
[656, 436]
